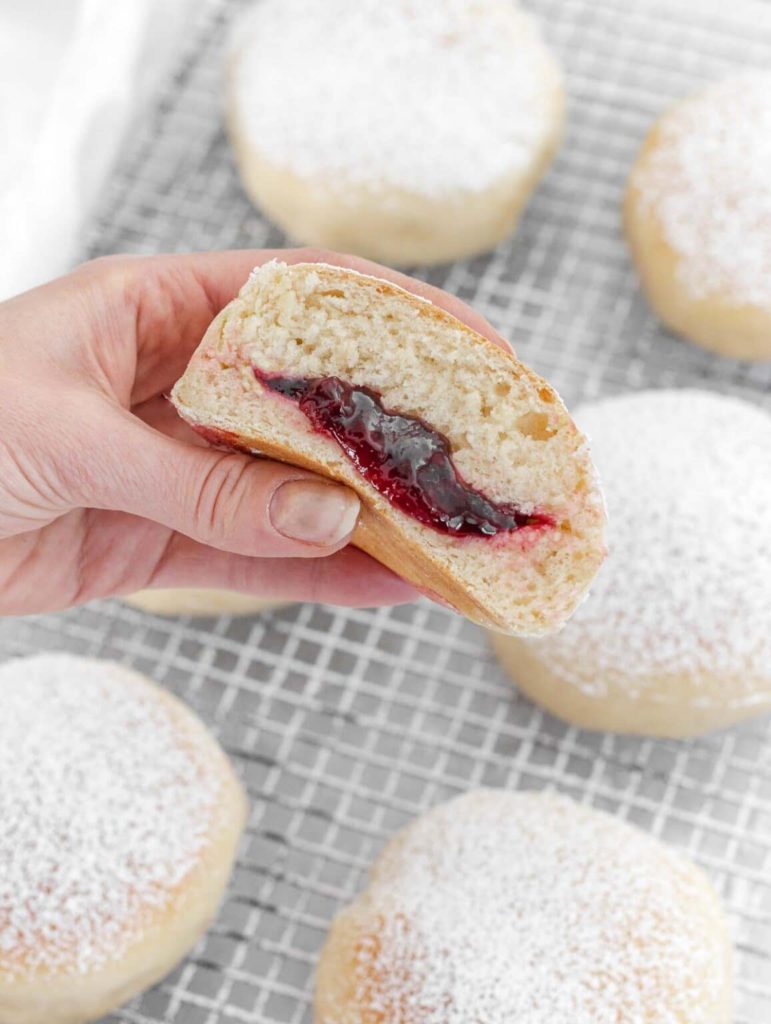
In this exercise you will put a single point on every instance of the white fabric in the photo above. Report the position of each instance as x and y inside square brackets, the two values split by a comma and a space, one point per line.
[73, 75]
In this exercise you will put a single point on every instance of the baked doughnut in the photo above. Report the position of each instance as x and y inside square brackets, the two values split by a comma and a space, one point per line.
[120, 818]
[526, 907]
[407, 132]
[698, 217]
[475, 484]
[675, 637]
[198, 602]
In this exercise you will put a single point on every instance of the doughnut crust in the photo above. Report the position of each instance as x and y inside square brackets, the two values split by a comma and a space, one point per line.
[507, 431]
[698, 217]
[415, 134]
[121, 816]
[198, 601]
[506, 907]
[674, 638]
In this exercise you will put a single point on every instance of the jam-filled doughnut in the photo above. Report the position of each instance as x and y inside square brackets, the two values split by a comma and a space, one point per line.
[675, 636]
[698, 217]
[404, 131]
[475, 483]
[198, 601]
[503, 908]
[119, 820]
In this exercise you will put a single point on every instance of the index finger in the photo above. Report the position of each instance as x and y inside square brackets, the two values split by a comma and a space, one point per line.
[173, 298]
[223, 273]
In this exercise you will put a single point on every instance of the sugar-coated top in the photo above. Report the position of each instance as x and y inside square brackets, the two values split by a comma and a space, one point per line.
[686, 587]
[431, 98]
[708, 180]
[105, 805]
[509, 907]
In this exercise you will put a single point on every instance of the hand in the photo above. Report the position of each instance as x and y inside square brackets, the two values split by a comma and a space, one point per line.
[103, 489]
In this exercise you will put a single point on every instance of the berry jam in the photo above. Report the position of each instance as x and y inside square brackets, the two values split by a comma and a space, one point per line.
[401, 456]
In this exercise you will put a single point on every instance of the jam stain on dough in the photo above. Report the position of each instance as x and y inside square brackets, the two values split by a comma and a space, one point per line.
[402, 457]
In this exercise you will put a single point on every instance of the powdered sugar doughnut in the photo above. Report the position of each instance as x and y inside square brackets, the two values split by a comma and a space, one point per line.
[675, 636]
[519, 907]
[199, 601]
[120, 818]
[698, 217]
[406, 132]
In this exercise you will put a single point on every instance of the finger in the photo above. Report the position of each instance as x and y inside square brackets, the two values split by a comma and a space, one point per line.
[347, 577]
[169, 301]
[220, 275]
[160, 414]
[91, 554]
[226, 500]
[444, 300]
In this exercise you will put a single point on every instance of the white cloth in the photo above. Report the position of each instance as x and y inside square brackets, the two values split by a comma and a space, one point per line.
[73, 75]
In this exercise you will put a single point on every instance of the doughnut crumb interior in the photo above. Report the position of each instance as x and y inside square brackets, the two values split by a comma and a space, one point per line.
[506, 435]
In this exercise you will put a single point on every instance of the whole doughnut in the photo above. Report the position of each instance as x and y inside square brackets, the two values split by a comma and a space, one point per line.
[406, 132]
[120, 820]
[506, 907]
[698, 217]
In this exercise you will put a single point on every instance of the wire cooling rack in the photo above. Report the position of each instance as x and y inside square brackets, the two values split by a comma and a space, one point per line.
[346, 724]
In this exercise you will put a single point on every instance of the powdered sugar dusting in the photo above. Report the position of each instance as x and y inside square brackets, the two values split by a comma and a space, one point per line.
[500, 907]
[105, 807]
[709, 181]
[687, 584]
[427, 97]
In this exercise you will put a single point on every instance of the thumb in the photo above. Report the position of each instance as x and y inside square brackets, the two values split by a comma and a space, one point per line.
[229, 501]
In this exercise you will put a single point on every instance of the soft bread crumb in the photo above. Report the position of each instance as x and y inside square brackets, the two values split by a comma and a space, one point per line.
[510, 434]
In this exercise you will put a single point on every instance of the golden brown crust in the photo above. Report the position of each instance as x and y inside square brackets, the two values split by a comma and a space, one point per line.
[379, 536]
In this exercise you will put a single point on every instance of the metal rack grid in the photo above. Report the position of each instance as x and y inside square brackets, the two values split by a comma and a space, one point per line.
[345, 724]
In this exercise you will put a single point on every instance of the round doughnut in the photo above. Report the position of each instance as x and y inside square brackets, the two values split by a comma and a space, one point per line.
[675, 636]
[406, 132]
[698, 217]
[503, 907]
[120, 820]
[199, 602]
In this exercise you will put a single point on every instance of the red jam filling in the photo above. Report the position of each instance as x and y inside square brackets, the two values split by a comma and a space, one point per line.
[407, 461]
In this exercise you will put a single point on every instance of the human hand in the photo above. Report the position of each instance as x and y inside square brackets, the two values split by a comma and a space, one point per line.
[104, 490]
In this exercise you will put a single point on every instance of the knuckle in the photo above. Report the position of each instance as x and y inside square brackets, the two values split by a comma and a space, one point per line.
[221, 498]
